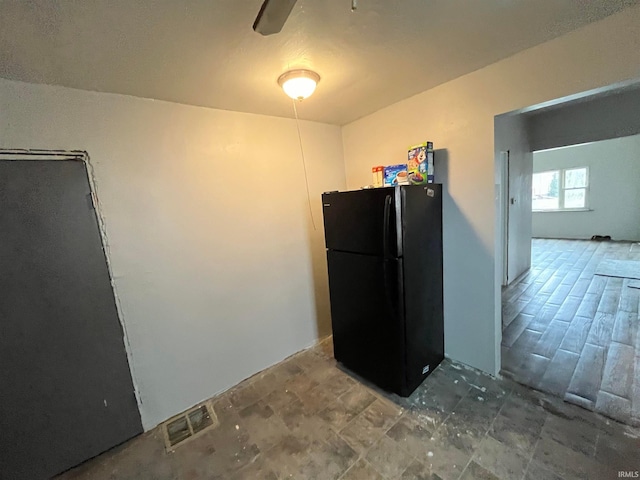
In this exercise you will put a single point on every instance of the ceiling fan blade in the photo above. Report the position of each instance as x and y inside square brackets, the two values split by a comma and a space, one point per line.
[272, 16]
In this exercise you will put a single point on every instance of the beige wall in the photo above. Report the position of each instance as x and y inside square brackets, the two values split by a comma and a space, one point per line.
[459, 117]
[614, 190]
[217, 268]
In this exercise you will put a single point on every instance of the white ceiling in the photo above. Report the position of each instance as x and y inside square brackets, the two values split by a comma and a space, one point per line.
[204, 52]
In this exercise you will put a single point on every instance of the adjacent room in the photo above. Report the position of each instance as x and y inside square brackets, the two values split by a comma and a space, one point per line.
[293, 239]
[571, 320]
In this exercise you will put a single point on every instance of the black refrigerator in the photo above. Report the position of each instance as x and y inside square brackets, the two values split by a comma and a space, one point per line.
[384, 255]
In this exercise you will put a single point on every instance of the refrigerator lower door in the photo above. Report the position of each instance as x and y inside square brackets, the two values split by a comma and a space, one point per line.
[367, 317]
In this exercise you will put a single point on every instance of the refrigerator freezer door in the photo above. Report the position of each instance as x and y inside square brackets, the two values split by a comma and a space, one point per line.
[363, 221]
[367, 313]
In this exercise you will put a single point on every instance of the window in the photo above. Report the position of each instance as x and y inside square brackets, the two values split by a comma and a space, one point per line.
[564, 189]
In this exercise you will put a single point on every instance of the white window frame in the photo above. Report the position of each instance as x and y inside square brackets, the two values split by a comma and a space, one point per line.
[562, 189]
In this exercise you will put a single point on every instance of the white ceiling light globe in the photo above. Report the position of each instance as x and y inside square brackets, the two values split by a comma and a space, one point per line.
[299, 84]
[299, 88]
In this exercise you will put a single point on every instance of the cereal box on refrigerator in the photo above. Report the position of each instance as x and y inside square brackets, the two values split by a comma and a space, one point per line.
[395, 175]
[377, 176]
[420, 164]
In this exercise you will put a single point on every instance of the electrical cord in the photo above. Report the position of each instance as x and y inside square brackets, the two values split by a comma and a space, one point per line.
[304, 164]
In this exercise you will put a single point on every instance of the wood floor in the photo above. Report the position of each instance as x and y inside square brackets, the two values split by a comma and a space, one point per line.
[572, 333]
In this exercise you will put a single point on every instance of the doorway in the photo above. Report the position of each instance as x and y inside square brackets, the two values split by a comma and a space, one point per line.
[67, 390]
[570, 319]
[571, 328]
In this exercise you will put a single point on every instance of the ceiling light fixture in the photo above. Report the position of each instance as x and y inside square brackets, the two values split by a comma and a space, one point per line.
[299, 84]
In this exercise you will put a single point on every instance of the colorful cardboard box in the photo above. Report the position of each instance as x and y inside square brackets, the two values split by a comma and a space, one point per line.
[378, 174]
[395, 175]
[420, 168]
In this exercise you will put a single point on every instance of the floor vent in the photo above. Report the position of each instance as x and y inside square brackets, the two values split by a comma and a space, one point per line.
[188, 425]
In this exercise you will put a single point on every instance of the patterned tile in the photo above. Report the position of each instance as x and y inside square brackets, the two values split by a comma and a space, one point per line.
[388, 458]
[419, 471]
[572, 433]
[444, 458]
[571, 333]
[566, 462]
[305, 418]
[476, 472]
[501, 459]
[370, 425]
[344, 409]
[536, 471]
[362, 471]
[411, 436]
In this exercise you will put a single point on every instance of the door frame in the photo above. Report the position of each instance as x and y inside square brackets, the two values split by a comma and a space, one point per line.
[504, 221]
[81, 155]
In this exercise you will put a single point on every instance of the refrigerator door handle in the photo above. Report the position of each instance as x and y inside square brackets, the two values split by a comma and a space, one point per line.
[390, 285]
[385, 226]
[401, 199]
[387, 256]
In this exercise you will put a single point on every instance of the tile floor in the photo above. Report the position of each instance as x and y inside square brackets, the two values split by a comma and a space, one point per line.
[572, 333]
[307, 419]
